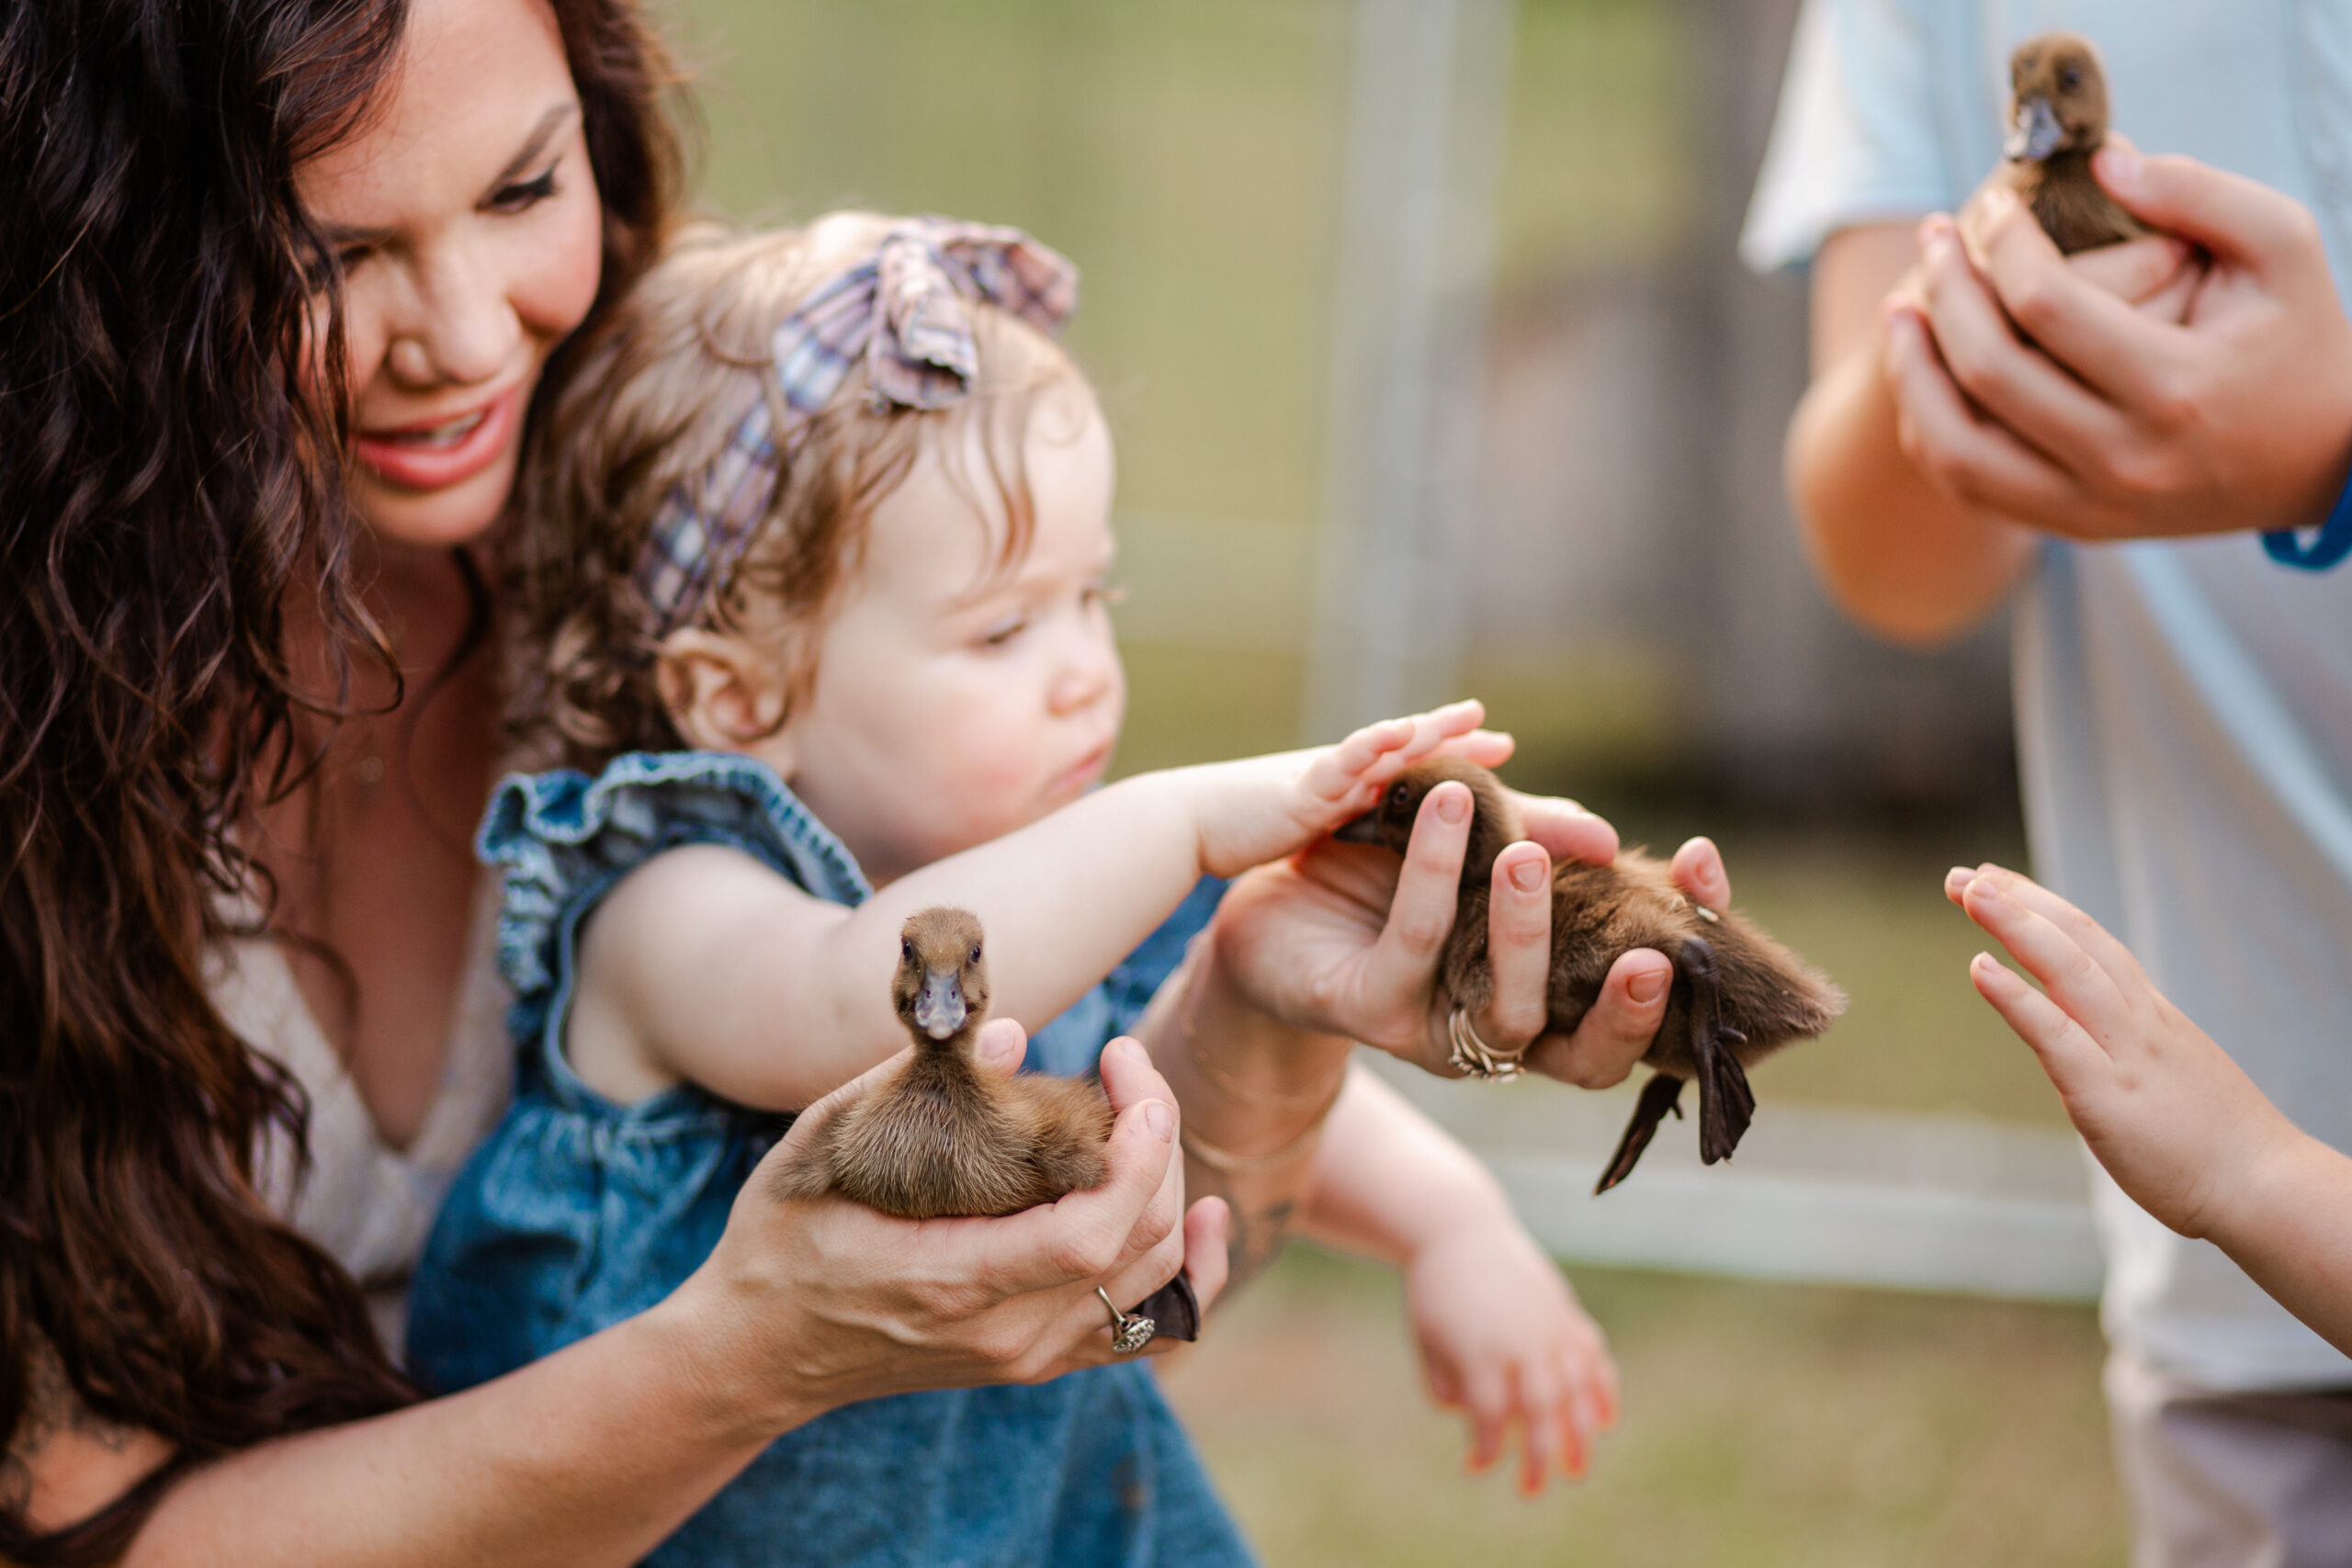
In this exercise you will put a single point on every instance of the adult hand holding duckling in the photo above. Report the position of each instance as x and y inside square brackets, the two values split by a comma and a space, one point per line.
[1348, 939]
[2198, 384]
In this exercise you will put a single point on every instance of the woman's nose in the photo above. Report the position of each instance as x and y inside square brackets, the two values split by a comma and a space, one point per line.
[463, 330]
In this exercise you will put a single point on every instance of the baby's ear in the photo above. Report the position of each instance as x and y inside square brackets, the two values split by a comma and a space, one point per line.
[719, 691]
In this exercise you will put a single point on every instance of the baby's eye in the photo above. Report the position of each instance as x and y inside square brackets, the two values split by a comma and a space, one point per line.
[524, 193]
[1004, 631]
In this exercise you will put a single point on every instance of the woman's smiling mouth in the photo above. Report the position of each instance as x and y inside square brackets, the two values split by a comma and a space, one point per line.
[427, 457]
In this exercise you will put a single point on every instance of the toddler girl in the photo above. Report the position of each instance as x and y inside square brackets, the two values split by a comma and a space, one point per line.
[819, 623]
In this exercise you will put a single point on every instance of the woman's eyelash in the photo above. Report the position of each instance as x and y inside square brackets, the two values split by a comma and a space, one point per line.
[526, 193]
[1110, 595]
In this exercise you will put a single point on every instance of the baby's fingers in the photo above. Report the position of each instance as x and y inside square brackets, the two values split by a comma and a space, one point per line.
[1487, 1401]
[2068, 1054]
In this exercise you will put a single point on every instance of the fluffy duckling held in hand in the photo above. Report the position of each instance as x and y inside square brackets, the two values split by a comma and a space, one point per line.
[943, 1138]
[2058, 118]
[1737, 993]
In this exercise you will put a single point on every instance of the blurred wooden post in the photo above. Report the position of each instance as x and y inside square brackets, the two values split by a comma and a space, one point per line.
[1427, 101]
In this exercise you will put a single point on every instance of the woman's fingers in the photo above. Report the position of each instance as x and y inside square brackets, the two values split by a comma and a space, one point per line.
[1698, 870]
[1617, 1030]
[1000, 1047]
[1086, 1234]
[1422, 913]
[1518, 948]
[1566, 830]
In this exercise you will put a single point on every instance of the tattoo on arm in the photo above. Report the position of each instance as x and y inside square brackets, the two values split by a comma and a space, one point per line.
[1257, 1238]
[52, 1410]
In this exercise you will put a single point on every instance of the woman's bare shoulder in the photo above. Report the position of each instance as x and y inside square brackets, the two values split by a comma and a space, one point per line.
[64, 1461]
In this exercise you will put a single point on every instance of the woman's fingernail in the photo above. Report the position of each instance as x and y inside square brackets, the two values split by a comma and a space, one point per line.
[1453, 805]
[1527, 875]
[1160, 1117]
[1646, 987]
[1958, 878]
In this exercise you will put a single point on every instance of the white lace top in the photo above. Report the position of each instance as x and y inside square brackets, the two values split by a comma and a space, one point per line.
[368, 1203]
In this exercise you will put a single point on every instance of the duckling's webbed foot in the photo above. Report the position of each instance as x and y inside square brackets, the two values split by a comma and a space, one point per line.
[1658, 1096]
[1726, 1105]
[1173, 1308]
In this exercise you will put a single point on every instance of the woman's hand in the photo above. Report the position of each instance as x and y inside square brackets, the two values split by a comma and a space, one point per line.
[1345, 939]
[809, 1304]
[1503, 1340]
[2029, 389]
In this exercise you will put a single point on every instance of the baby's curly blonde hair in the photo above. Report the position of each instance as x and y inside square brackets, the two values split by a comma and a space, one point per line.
[657, 395]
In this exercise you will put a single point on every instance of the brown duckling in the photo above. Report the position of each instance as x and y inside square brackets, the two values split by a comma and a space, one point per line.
[2058, 118]
[1737, 993]
[943, 1138]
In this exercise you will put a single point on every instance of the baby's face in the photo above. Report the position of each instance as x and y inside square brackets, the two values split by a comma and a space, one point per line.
[953, 701]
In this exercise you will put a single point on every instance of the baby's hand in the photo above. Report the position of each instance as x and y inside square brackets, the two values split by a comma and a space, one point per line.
[1262, 808]
[1503, 1340]
[2177, 1123]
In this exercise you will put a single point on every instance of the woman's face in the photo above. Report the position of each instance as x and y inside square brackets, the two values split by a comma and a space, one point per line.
[466, 219]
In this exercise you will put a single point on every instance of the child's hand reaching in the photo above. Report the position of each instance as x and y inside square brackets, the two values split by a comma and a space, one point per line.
[2173, 1118]
[2178, 1124]
[1261, 808]
[1502, 1340]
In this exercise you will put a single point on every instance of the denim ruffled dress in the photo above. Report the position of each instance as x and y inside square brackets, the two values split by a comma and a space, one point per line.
[578, 1212]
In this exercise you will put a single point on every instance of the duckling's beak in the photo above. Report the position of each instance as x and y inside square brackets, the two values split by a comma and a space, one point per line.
[1365, 829]
[2035, 133]
[939, 1007]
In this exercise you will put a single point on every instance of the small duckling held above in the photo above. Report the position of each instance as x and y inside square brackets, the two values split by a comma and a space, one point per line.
[2058, 118]
[943, 1138]
[1737, 993]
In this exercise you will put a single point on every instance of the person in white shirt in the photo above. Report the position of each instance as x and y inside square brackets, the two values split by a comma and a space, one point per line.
[2144, 475]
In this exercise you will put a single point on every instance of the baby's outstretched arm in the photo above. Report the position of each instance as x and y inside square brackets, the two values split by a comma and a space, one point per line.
[1501, 1336]
[705, 965]
[2178, 1124]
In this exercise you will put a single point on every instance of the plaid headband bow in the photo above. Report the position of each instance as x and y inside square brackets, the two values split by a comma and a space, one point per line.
[902, 312]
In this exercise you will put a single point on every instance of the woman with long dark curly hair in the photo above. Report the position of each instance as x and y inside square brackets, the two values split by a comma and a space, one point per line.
[248, 720]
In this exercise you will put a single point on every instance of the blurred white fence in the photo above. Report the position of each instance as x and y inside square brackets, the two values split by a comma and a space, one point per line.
[1815, 1193]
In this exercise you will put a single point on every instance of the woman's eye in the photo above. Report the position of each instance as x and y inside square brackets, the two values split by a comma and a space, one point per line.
[524, 193]
[1105, 595]
[1003, 632]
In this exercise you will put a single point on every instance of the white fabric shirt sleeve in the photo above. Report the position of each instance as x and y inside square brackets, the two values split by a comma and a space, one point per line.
[1855, 140]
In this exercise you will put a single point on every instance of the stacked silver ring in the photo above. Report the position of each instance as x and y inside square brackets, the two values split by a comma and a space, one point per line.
[1130, 1331]
[1472, 1057]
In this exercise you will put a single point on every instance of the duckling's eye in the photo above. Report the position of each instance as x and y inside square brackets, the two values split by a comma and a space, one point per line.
[2071, 78]
[976, 952]
[1397, 791]
[906, 948]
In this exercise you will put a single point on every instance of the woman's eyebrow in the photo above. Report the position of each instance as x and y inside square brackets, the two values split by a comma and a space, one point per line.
[541, 134]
